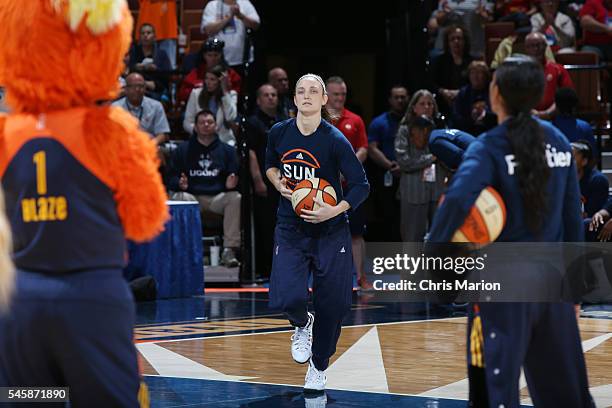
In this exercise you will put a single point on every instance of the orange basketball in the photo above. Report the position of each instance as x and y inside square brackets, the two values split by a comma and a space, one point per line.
[485, 220]
[305, 192]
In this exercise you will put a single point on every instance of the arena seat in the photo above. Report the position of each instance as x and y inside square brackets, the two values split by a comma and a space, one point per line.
[499, 29]
[582, 67]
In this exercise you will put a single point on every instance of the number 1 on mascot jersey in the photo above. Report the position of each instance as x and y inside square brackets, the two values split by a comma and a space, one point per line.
[43, 208]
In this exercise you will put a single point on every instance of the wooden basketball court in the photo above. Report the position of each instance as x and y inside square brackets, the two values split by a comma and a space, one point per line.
[227, 350]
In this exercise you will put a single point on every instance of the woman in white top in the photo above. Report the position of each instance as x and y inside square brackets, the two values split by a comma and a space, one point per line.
[557, 27]
[217, 97]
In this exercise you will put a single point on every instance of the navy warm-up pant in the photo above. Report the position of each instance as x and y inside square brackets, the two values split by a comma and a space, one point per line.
[328, 257]
[542, 338]
[73, 330]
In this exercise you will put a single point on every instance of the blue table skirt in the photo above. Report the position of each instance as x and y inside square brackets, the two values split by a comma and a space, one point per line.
[174, 258]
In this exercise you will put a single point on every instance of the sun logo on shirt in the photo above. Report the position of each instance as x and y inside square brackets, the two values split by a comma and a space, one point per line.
[348, 126]
[298, 165]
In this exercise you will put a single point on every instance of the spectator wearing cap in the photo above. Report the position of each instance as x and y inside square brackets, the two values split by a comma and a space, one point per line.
[422, 181]
[472, 109]
[449, 70]
[566, 121]
[151, 62]
[278, 78]
[556, 26]
[593, 185]
[596, 23]
[555, 75]
[515, 43]
[229, 20]
[210, 55]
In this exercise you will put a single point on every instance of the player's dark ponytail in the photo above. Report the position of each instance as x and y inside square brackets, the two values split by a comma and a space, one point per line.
[521, 83]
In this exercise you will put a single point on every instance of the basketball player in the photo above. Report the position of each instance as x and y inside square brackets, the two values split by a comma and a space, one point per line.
[543, 203]
[318, 243]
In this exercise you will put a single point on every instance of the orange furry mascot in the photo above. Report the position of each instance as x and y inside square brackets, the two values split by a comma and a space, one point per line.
[59, 57]
[79, 177]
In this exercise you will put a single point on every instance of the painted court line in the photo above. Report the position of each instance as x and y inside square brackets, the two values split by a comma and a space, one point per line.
[168, 363]
[290, 330]
[298, 386]
[360, 367]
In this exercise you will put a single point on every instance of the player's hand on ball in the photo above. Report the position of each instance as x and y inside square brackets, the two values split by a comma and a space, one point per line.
[323, 213]
[285, 192]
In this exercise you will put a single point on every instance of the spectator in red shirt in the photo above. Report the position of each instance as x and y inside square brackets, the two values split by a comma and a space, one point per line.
[596, 23]
[353, 128]
[210, 55]
[555, 75]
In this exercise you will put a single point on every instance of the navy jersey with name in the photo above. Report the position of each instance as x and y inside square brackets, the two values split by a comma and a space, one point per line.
[489, 162]
[325, 154]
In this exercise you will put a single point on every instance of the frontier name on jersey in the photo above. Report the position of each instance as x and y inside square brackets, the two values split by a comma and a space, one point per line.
[553, 158]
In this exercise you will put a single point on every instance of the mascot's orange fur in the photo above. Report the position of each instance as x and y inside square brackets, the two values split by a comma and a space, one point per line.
[58, 58]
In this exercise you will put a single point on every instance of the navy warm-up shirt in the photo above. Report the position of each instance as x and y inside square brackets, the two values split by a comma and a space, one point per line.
[324, 154]
[206, 167]
[489, 162]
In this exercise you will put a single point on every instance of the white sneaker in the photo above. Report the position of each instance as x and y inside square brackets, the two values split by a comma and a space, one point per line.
[315, 380]
[316, 401]
[301, 342]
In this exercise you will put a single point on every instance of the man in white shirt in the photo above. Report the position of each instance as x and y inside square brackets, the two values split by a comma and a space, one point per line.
[228, 20]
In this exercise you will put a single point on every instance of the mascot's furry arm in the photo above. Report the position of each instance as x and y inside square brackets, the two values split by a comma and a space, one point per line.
[129, 161]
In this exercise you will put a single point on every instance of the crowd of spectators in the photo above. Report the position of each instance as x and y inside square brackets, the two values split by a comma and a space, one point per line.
[407, 178]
